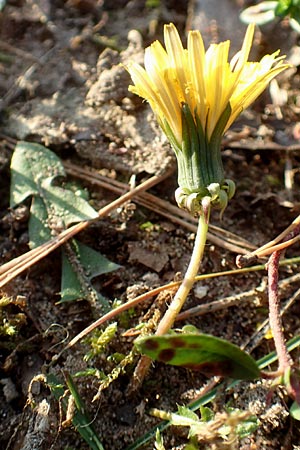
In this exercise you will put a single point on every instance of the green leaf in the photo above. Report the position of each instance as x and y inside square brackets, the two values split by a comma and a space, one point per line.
[295, 411]
[208, 354]
[247, 427]
[159, 442]
[191, 446]
[91, 264]
[80, 420]
[210, 396]
[282, 9]
[184, 411]
[66, 205]
[34, 170]
[30, 165]
[295, 15]
[39, 231]
[206, 413]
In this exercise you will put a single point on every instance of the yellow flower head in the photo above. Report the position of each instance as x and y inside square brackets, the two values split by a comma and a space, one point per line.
[197, 94]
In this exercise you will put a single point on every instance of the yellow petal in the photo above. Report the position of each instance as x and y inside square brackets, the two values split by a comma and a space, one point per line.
[196, 61]
[243, 54]
[206, 81]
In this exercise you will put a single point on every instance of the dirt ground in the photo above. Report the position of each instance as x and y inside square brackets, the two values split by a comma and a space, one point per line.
[62, 85]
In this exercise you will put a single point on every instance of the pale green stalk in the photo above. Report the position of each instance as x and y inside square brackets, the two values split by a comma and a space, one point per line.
[181, 295]
[189, 279]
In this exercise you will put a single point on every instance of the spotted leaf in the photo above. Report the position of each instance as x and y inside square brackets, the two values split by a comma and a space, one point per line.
[208, 354]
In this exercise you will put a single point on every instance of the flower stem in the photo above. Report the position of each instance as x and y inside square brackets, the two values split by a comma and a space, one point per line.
[189, 279]
[181, 295]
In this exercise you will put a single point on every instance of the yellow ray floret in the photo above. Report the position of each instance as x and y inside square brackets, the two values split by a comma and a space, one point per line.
[204, 80]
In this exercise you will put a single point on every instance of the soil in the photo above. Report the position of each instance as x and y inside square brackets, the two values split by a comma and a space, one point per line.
[63, 85]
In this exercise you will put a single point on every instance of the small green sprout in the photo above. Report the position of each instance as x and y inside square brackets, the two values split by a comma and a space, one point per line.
[211, 427]
[100, 340]
[159, 442]
[10, 322]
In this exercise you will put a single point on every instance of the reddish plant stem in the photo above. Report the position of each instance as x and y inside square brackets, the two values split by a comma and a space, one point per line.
[284, 359]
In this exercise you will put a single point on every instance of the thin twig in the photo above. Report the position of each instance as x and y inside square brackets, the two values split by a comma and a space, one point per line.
[217, 305]
[288, 237]
[216, 235]
[20, 82]
[15, 267]
[167, 287]
[275, 248]
[18, 51]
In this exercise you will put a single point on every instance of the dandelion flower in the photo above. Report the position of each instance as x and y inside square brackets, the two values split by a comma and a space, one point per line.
[196, 95]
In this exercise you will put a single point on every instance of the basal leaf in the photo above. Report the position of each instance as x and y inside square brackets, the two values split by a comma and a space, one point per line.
[92, 264]
[66, 206]
[39, 231]
[34, 170]
[208, 354]
[53, 209]
[31, 164]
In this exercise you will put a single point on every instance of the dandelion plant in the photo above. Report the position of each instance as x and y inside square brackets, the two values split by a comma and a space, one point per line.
[196, 95]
